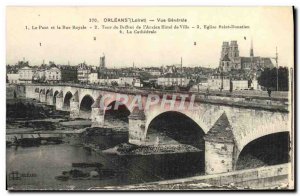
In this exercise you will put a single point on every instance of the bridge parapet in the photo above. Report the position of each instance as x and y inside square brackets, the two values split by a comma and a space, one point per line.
[234, 100]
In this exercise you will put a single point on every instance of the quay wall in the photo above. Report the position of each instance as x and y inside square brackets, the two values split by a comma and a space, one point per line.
[258, 178]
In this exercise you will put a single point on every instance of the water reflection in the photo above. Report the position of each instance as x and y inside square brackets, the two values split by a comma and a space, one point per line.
[49, 161]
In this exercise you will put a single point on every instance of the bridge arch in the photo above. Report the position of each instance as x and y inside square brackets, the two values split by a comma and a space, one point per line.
[54, 96]
[47, 94]
[176, 128]
[247, 133]
[41, 92]
[178, 125]
[86, 106]
[197, 117]
[67, 99]
[117, 113]
[269, 149]
[113, 98]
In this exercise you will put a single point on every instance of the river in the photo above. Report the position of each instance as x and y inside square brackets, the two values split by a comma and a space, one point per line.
[49, 161]
[39, 165]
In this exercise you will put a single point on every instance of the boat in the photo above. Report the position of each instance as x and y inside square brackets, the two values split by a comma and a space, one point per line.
[85, 165]
[62, 177]
[28, 142]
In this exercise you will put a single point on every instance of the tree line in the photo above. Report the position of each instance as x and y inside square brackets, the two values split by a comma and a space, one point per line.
[268, 78]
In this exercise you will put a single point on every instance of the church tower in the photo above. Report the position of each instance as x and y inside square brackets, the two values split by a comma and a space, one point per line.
[224, 52]
[102, 62]
[233, 49]
[225, 49]
[251, 49]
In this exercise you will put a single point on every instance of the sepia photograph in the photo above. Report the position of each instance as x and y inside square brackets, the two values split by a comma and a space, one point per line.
[149, 98]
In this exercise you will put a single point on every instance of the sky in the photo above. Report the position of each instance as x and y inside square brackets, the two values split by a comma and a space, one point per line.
[269, 27]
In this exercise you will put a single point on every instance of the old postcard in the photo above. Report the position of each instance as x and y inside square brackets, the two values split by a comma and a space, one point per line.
[149, 98]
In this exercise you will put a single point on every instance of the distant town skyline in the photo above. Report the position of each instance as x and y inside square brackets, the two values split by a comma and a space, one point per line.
[268, 29]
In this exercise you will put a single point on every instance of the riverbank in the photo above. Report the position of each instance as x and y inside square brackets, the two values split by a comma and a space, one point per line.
[130, 149]
[29, 116]
[271, 177]
[28, 109]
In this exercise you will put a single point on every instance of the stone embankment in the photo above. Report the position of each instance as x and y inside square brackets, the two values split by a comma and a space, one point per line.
[129, 149]
[276, 177]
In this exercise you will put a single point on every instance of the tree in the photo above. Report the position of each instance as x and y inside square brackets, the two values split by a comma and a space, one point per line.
[42, 78]
[191, 83]
[268, 79]
[145, 75]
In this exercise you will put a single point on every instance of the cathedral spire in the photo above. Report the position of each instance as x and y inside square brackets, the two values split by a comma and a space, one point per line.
[251, 50]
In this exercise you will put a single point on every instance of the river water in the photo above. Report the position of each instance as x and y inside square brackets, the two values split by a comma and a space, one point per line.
[38, 166]
[49, 161]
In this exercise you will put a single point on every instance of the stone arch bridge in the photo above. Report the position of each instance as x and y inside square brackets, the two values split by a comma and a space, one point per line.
[229, 123]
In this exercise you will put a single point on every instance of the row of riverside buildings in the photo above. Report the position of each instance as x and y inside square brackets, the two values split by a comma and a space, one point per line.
[45, 73]
[22, 72]
[234, 72]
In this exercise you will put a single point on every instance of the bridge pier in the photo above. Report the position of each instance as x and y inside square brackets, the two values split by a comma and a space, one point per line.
[50, 98]
[74, 106]
[36, 96]
[137, 131]
[97, 115]
[43, 96]
[219, 147]
[59, 101]
[33, 93]
[29, 92]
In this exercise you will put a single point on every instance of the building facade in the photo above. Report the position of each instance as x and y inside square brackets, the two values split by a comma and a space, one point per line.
[83, 73]
[172, 80]
[153, 71]
[109, 82]
[68, 73]
[39, 75]
[93, 78]
[217, 83]
[13, 78]
[53, 74]
[26, 74]
[241, 85]
[130, 81]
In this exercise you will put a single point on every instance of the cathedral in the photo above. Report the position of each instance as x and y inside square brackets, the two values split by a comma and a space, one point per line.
[231, 60]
